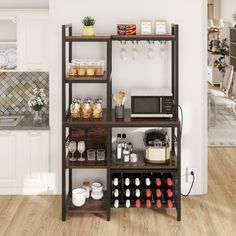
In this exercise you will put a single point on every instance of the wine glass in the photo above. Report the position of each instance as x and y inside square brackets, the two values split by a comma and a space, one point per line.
[72, 149]
[81, 149]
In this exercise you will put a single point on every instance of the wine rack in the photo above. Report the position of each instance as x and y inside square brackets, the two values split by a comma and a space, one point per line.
[108, 122]
[158, 193]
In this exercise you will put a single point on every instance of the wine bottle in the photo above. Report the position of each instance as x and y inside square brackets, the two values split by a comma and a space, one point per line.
[158, 193]
[158, 179]
[148, 193]
[148, 203]
[116, 192]
[168, 179]
[138, 203]
[169, 203]
[137, 193]
[127, 193]
[118, 147]
[127, 180]
[158, 203]
[127, 203]
[116, 203]
[116, 180]
[147, 180]
[169, 193]
[137, 180]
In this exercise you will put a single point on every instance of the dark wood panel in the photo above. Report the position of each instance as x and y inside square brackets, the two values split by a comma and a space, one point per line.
[126, 122]
[90, 206]
[86, 79]
[141, 164]
[80, 38]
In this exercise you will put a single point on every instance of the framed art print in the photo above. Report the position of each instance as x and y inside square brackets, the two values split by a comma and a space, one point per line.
[160, 27]
[146, 27]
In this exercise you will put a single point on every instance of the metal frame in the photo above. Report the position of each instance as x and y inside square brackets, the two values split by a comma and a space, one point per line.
[109, 123]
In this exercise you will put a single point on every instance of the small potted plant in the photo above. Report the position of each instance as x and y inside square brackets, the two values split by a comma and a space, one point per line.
[37, 101]
[88, 26]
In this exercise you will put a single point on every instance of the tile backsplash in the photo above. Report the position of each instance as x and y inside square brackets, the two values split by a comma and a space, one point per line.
[16, 89]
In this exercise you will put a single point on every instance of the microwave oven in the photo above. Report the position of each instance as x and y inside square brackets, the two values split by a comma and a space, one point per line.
[151, 103]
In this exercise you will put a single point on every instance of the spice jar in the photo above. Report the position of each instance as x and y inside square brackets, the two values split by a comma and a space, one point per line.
[126, 155]
[75, 108]
[87, 109]
[72, 69]
[81, 69]
[90, 69]
[99, 68]
[97, 109]
[86, 187]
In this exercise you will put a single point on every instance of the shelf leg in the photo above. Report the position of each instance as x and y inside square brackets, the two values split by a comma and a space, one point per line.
[178, 174]
[70, 182]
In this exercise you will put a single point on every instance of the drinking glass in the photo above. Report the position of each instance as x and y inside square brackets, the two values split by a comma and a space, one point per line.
[81, 149]
[72, 149]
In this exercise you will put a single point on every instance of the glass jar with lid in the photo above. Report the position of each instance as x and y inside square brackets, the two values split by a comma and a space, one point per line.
[72, 69]
[81, 68]
[90, 69]
[75, 108]
[99, 68]
[97, 109]
[87, 109]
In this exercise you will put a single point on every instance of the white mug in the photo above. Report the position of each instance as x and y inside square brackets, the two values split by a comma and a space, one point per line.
[123, 54]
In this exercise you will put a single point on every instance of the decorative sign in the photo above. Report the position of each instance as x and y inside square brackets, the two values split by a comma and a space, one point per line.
[146, 27]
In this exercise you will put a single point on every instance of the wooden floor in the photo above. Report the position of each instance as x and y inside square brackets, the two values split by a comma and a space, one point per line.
[211, 214]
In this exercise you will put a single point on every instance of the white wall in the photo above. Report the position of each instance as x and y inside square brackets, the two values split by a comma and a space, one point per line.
[24, 4]
[228, 8]
[189, 15]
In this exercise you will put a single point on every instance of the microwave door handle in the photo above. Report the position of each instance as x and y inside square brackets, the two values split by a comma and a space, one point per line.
[161, 105]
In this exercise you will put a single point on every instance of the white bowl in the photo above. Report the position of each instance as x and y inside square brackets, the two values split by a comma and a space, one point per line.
[78, 197]
[97, 196]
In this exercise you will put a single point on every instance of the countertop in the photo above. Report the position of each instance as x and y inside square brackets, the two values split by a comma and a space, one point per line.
[28, 124]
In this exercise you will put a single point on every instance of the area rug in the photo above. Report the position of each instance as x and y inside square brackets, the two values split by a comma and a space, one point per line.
[223, 134]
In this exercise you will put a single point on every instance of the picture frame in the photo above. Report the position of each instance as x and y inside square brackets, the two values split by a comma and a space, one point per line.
[146, 27]
[160, 27]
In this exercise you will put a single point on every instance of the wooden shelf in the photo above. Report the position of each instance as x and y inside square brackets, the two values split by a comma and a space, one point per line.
[127, 122]
[90, 206]
[141, 164]
[85, 164]
[132, 205]
[164, 37]
[80, 38]
[87, 79]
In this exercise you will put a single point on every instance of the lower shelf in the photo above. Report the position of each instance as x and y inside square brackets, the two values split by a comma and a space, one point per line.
[164, 205]
[91, 205]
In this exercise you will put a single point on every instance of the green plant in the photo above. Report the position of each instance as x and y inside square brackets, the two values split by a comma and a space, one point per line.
[88, 21]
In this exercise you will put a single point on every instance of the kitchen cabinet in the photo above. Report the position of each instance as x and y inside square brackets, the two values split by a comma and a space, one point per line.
[32, 42]
[10, 175]
[24, 162]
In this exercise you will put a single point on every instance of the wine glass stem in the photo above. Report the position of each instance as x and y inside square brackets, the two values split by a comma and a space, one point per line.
[81, 155]
[73, 155]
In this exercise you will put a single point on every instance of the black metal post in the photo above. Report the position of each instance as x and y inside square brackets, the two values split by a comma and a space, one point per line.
[109, 78]
[63, 127]
[178, 174]
[109, 156]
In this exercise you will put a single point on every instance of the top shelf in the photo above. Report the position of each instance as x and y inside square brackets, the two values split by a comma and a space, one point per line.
[79, 38]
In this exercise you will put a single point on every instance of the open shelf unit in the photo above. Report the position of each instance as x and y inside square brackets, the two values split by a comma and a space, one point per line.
[105, 125]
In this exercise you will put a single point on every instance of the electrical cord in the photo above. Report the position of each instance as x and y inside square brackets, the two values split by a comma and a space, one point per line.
[186, 195]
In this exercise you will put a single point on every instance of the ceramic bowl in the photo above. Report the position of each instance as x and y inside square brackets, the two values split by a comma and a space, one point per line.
[97, 196]
[78, 197]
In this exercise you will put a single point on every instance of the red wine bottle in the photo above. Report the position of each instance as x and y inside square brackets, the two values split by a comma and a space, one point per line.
[158, 203]
[158, 180]
[169, 193]
[169, 203]
[148, 203]
[148, 193]
[168, 179]
[138, 203]
[158, 193]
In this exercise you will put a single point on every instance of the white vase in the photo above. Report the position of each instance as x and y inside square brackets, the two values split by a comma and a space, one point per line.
[88, 31]
[37, 117]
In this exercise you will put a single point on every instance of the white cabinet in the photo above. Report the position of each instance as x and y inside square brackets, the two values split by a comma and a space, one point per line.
[32, 42]
[36, 154]
[10, 175]
[24, 162]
